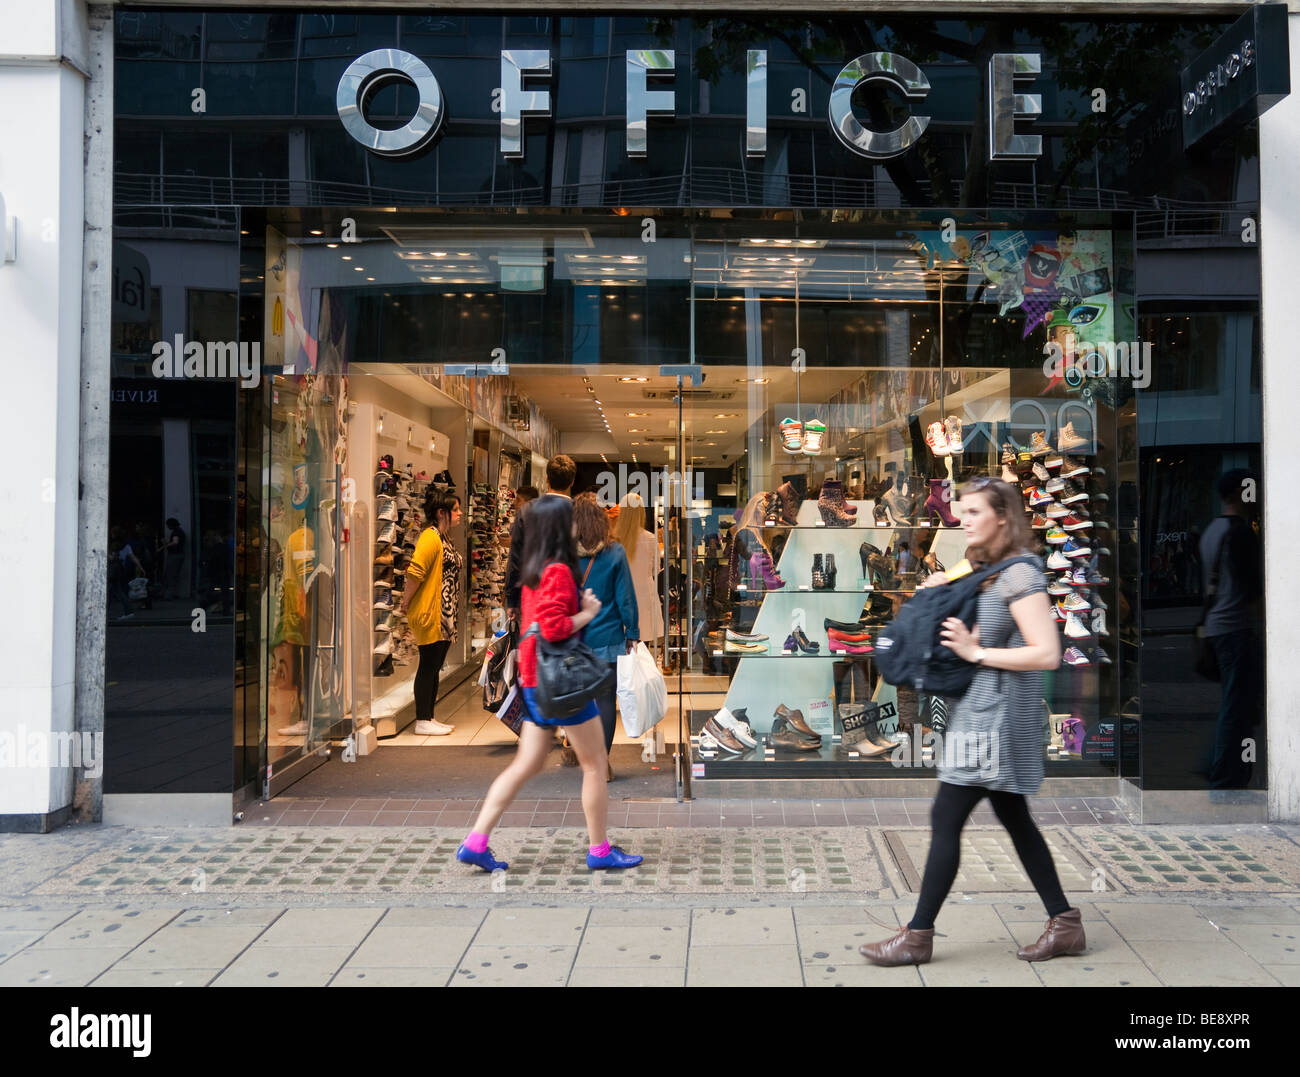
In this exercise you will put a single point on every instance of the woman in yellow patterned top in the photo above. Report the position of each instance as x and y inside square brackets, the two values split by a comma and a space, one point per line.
[422, 604]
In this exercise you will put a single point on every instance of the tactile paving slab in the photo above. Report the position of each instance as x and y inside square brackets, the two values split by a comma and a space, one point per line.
[336, 861]
[1171, 859]
[989, 863]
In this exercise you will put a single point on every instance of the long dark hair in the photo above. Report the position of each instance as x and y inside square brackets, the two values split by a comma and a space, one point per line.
[439, 503]
[548, 538]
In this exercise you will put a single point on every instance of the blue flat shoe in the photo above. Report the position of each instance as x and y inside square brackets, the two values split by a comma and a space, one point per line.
[484, 860]
[615, 858]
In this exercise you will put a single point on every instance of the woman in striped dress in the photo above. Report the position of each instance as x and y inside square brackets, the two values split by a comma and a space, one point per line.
[993, 745]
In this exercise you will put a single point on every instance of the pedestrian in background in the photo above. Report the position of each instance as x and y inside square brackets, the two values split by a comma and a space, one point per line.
[603, 567]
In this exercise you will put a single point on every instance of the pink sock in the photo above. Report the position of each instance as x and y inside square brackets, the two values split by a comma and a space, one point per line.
[599, 850]
[476, 843]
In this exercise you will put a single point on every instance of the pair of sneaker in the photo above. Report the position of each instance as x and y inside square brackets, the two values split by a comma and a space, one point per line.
[803, 437]
[615, 858]
[430, 727]
[945, 438]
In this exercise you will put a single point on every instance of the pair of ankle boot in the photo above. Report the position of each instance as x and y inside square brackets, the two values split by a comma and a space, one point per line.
[823, 572]
[835, 510]
[1063, 936]
[788, 503]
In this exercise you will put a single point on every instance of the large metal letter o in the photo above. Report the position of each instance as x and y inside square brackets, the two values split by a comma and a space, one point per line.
[376, 69]
[892, 68]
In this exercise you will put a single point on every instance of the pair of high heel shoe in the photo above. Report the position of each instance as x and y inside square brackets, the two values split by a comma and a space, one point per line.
[762, 574]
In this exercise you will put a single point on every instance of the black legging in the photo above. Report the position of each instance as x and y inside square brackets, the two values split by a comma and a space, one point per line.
[606, 704]
[948, 815]
[432, 656]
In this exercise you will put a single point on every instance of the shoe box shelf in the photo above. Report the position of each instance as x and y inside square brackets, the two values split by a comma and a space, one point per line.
[492, 512]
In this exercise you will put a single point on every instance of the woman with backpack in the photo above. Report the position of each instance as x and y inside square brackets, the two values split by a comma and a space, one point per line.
[551, 601]
[1001, 714]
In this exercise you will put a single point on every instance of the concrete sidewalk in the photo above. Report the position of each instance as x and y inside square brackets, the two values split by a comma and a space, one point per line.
[110, 906]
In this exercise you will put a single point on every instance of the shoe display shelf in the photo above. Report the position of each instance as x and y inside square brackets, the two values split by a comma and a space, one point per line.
[391, 500]
[760, 682]
[492, 512]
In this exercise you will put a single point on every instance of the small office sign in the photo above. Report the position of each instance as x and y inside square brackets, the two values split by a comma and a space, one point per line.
[1244, 73]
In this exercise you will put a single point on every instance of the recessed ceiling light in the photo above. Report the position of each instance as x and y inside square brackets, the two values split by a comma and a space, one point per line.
[359, 269]
[715, 431]
[637, 414]
[346, 257]
[317, 232]
[726, 415]
[633, 379]
[331, 246]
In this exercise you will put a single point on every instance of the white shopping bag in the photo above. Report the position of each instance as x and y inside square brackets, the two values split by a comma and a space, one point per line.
[642, 692]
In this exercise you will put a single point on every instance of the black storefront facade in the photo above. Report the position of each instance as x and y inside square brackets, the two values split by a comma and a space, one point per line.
[835, 231]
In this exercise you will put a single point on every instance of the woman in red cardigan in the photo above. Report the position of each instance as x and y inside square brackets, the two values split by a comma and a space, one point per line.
[551, 601]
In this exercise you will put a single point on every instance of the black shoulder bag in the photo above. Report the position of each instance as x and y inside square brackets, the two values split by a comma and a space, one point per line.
[569, 675]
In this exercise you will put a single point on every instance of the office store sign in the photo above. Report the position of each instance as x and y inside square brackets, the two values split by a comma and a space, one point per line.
[515, 101]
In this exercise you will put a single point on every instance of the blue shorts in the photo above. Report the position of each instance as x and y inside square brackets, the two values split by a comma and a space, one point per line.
[587, 713]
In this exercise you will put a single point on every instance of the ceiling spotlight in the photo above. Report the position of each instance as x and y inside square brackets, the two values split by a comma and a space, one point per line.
[331, 246]
[317, 232]
[637, 414]
[633, 379]
[346, 257]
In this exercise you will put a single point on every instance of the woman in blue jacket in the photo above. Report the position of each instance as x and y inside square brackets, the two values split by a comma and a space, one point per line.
[604, 568]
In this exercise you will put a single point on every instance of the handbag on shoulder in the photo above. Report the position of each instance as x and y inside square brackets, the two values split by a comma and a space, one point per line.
[569, 675]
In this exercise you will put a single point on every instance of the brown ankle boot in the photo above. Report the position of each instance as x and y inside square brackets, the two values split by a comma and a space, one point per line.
[908, 947]
[1064, 935]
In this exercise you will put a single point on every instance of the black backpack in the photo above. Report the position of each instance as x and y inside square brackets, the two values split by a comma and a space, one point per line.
[908, 650]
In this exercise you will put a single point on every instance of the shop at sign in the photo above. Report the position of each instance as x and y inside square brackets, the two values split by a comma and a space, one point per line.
[795, 296]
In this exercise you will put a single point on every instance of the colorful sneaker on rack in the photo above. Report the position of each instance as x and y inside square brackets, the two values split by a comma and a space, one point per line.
[1072, 467]
[1054, 460]
[1102, 657]
[937, 438]
[792, 435]
[386, 535]
[1058, 588]
[1058, 562]
[1076, 603]
[1056, 511]
[952, 428]
[1054, 485]
[1056, 537]
[814, 431]
[1078, 576]
[1074, 657]
[383, 603]
[1074, 522]
[1071, 548]
[1042, 474]
[1039, 522]
[1038, 497]
[1038, 443]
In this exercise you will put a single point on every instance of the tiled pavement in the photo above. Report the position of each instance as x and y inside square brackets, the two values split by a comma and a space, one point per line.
[724, 944]
[884, 811]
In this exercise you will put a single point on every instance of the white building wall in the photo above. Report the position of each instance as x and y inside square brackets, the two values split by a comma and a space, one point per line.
[42, 87]
[1279, 233]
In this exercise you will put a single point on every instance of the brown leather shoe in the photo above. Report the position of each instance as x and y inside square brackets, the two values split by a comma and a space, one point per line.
[1064, 935]
[795, 718]
[908, 947]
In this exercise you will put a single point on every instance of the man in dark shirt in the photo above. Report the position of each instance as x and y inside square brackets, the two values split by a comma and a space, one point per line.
[561, 472]
[1233, 574]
